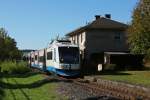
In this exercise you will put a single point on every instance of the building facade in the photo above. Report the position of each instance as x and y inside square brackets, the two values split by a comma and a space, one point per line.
[101, 35]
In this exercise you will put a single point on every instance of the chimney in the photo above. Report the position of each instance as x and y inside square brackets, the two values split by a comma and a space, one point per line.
[97, 17]
[108, 16]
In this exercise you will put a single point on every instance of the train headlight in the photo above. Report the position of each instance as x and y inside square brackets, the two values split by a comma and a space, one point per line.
[62, 67]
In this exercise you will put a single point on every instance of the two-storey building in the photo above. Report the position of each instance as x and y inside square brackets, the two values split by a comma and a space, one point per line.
[101, 35]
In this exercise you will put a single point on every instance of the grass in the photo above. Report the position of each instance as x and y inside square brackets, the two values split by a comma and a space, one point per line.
[13, 67]
[133, 77]
[28, 87]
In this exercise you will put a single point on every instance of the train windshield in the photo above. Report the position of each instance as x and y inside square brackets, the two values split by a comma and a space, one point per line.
[69, 55]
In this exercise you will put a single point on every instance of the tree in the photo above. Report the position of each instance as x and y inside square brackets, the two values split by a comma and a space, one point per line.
[2, 42]
[139, 30]
[8, 49]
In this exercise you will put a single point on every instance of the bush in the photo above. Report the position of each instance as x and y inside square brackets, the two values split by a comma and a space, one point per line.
[110, 67]
[12, 67]
[22, 67]
[7, 66]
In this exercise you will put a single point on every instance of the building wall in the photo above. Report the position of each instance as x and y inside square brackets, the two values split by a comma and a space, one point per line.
[105, 40]
[96, 41]
[79, 39]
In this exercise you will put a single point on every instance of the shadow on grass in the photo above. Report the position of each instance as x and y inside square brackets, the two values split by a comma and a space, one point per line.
[2, 94]
[20, 75]
[29, 86]
[108, 72]
[21, 87]
[113, 73]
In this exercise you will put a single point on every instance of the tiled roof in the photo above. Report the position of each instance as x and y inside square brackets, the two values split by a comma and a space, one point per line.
[101, 23]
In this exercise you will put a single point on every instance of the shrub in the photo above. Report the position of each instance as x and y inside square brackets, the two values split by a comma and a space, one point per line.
[7, 66]
[110, 67]
[12, 67]
[22, 67]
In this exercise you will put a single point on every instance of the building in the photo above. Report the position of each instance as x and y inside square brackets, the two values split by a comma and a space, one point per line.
[25, 53]
[101, 35]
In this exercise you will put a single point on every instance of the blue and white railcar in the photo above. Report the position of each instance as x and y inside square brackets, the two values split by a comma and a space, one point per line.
[36, 59]
[32, 59]
[41, 59]
[63, 58]
[29, 58]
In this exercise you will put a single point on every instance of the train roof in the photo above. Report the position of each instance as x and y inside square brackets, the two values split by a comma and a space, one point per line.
[61, 43]
[58, 43]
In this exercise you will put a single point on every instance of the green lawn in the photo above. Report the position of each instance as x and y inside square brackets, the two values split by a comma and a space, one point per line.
[134, 77]
[28, 87]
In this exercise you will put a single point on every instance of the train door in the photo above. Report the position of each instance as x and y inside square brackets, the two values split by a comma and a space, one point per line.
[56, 58]
[50, 60]
[41, 59]
[36, 59]
[32, 59]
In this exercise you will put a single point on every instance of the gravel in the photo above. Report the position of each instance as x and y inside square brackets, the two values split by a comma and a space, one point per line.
[77, 92]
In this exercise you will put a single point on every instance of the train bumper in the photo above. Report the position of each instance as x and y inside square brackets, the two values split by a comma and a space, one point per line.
[68, 72]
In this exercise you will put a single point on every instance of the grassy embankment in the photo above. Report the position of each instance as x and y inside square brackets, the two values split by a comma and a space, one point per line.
[133, 77]
[17, 84]
[28, 87]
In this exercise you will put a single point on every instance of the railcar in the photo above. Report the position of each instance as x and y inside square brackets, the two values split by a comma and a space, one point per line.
[36, 63]
[32, 57]
[61, 57]
[41, 59]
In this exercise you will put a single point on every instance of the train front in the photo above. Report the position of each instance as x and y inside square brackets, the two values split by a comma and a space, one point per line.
[69, 61]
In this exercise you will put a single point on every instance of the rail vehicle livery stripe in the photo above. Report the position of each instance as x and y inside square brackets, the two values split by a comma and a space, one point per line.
[51, 68]
[63, 72]
[37, 66]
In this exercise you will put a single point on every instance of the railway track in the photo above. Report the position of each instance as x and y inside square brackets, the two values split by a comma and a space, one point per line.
[106, 90]
[110, 91]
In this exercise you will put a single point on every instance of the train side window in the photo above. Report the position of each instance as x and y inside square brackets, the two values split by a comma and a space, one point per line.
[35, 57]
[32, 59]
[49, 55]
[41, 58]
[54, 54]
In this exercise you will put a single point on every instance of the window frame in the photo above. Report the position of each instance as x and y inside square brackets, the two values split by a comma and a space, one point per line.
[49, 55]
[81, 37]
[117, 36]
[41, 58]
[36, 57]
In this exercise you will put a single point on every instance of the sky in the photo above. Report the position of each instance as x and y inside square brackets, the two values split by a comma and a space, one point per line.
[33, 23]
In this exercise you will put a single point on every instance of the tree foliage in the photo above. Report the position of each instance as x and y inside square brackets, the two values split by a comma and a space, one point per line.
[8, 49]
[139, 30]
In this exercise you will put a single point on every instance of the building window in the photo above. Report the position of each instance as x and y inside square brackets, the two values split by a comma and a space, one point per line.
[73, 39]
[77, 39]
[35, 57]
[49, 55]
[117, 36]
[81, 37]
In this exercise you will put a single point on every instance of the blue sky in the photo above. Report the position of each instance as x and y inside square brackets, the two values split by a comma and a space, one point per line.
[33, 23]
